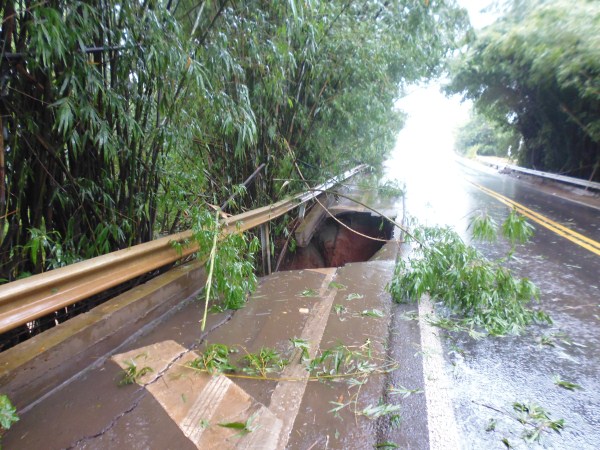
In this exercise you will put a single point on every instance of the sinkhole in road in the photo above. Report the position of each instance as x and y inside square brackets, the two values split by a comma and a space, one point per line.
[334, 245]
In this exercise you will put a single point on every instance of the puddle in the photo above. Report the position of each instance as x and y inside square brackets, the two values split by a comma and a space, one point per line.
[334, 245]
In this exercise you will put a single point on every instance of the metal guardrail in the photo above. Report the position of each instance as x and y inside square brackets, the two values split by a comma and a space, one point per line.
[552, 176]
[31, 298]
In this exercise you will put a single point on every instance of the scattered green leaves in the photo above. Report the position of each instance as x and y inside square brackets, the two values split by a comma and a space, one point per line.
[214, 360]
[536, 420]
[404, 392]
[8, 413]
[565, 384]
[482, 293]
[351, 363]
[336, 285]
[409, 315]
[354, 296]
[379, 410]
[309, 293]
[552, 339]
[303, 345]
[339, 309]
[242, 427]
[372, 313]
[264, 362]
[491, 426]
[133, 372]
[337, 407]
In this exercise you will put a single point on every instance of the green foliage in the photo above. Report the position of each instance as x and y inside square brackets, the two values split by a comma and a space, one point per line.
[552, 338]
[482, 136]
[483, 227]
[89, 121]
[570, 386]
[266, 361]
[372, 313]
[214, 360]
[536, 420]
[536, 71]
[339, 309]
[483, 293]
[8, 413]
[242, 427]
[231, 264]
[491, 426]
[350, 365]
[133, 372]
[303, 345]
[343, 361]
[122, 118]
[516, 228]
[309, 293]
[404, 392]
[380, 410]
[391, 189]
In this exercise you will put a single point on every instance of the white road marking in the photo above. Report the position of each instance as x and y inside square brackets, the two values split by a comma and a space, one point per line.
[443, 430]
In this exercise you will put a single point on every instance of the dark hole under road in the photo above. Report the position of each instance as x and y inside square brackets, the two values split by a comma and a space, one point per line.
[334, 245]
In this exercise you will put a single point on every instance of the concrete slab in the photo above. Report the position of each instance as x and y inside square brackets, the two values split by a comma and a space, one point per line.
[316, 425]
[200, 403]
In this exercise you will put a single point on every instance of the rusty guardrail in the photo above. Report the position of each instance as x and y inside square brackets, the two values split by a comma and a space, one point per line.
[31, 298]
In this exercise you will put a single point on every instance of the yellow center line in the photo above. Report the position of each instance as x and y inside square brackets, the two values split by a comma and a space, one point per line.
[579, 239]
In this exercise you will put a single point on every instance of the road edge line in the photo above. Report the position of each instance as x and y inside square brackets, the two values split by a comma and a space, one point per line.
[442, 426]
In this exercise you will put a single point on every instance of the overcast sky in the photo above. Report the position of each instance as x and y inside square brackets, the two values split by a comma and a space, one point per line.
[479, 19]
[433, 118]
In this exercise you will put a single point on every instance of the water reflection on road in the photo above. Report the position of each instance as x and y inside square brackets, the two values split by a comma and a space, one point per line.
[492, 374]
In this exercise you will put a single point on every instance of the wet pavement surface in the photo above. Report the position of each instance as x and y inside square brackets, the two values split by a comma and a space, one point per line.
[488, 376]
[460, 385]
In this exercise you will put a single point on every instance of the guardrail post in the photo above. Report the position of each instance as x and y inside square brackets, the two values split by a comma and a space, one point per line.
[302, 211]
[265, 243]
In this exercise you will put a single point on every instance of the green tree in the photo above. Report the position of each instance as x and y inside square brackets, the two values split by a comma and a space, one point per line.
[121, 120]
[92, 104]
[481, 136]
[538, 70]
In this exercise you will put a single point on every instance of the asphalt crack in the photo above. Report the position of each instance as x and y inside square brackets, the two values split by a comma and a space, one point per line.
[142, 390]
[112, 423]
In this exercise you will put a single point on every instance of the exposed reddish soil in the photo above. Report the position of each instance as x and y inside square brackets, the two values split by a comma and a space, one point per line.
[335, 245]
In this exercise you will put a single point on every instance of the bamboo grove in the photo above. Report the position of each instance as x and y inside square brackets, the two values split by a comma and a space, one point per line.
[535, 75]
[120, 120]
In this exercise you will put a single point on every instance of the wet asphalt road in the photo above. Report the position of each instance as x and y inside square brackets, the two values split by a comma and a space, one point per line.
[490, 375]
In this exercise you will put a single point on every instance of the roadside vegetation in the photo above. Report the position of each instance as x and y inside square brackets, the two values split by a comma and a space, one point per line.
[123, 121]
[476, 294]
[485, 137]
[535, 73]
